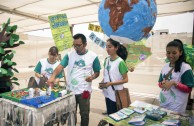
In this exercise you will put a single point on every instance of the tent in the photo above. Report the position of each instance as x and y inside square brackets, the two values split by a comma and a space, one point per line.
[31, 15]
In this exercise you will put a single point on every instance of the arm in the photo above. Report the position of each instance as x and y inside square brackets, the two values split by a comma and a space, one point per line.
[182, 87]
[123, 70]
[124, 80]
[51, 80]
[37, 70]
[96, 68]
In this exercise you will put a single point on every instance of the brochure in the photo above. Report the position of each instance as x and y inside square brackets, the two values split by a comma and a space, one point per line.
[137, 119]
[118, 116]
[127, 111]
[140, 110]
[171, 122]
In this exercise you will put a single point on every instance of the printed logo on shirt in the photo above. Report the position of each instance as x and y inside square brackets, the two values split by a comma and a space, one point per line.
[169, 78]
[49, 70]
[80, 63]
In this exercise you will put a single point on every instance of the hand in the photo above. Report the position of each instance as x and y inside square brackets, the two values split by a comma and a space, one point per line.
[166, 85]
[50, 81]
[89, 79]
[104, 85]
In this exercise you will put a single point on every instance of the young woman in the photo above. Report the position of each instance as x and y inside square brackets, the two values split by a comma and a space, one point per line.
[44, 69]
[115, 73]
[176, 78]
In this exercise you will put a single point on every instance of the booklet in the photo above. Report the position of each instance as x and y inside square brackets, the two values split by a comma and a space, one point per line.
[118, 116]
[127, 111]
[137, 119]
[171, 122]
[140, 110]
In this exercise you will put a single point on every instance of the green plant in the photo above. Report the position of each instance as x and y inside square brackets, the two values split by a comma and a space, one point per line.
[8, 41]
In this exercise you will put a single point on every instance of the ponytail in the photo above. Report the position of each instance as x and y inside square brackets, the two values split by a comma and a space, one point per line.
[122, 51]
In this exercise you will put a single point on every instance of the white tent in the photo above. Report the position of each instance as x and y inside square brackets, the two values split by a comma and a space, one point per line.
[32, 15]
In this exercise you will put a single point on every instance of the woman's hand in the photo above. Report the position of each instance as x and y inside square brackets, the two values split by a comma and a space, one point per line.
[166, 85]
[104, 85]
[89, 78]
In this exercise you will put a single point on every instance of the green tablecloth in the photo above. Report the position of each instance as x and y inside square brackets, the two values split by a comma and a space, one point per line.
[148, 121]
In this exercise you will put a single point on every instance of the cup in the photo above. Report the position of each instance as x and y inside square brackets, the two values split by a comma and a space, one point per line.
[31, 93]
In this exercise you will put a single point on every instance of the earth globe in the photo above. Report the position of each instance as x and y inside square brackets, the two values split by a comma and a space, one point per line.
[127, 20]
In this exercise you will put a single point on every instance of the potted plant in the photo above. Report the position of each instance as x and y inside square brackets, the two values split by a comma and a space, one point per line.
[8, 41]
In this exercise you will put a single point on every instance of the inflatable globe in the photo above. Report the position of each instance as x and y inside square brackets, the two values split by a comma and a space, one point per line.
[129, 20]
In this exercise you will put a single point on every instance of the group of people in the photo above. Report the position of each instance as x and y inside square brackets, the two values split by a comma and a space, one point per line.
[83, 66]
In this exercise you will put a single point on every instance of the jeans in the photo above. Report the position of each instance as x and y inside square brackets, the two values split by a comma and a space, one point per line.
[84, 107]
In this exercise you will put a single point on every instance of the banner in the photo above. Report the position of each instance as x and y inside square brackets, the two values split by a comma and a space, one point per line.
[97, 40]
[95, 28]
[137, 53]
[61, 31]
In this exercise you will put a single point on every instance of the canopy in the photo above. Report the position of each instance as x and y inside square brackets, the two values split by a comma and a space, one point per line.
[32, 15]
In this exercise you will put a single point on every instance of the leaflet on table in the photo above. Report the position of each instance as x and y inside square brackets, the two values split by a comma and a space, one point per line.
[140, 110]
[171, 122]
[147, 106]
[118, 116]
[137, 120]
[127, 111]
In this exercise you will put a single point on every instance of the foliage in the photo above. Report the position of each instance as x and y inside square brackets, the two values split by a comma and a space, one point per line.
[8, 40]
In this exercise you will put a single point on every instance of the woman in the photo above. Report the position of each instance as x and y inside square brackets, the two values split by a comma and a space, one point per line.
[45, 68]
[115, 73]
[176, 78]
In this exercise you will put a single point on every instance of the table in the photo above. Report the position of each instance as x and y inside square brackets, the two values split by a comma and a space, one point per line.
[59, 111]
[104, 121]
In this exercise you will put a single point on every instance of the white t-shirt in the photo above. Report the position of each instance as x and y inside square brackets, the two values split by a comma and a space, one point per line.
[44, 67]
[116, 69]
[174, 99]
[80, 67]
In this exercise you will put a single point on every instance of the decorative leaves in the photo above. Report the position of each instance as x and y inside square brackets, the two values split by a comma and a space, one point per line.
[8, 40]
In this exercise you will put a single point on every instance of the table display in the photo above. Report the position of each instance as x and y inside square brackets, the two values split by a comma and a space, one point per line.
[144, 114]
[60, 110]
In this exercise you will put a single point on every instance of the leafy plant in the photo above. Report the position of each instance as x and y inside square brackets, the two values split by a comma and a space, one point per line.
[8, 40]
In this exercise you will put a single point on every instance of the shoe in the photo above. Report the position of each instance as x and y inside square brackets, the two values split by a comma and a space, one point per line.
[104, 113]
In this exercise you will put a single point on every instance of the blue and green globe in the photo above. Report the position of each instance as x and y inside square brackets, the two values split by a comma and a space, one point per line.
[131, 19]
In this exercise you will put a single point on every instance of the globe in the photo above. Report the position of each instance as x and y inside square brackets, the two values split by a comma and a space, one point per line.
[129, 20]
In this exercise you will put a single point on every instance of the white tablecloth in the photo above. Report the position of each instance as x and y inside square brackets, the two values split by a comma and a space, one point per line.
[61, 111]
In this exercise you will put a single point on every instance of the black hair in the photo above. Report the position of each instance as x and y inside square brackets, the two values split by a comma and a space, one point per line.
[53, 50]
[179, 44]
[122, 51]
[82, 36]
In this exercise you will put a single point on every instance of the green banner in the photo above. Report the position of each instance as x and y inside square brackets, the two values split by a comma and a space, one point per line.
[61, 31]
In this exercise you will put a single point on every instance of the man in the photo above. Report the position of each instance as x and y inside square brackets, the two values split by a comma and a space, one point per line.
[83, 67]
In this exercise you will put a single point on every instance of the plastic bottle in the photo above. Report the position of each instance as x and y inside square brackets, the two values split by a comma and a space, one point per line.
[48, 90]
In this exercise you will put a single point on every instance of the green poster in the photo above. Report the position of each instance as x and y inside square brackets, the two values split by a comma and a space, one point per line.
[61, 31]
[137, 53]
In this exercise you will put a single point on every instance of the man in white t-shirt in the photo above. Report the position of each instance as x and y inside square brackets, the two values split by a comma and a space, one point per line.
[83, 67]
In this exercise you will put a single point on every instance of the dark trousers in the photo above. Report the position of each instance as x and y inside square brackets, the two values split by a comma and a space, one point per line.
[84, 107]
[111, 107]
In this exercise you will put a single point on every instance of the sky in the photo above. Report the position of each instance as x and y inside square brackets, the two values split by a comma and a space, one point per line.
[175, 24]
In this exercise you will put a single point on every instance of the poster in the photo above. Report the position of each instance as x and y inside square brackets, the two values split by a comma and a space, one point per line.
[137, 53]
[61, 31]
